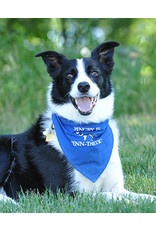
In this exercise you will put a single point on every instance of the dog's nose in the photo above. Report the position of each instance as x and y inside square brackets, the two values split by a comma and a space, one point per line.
[83, 87]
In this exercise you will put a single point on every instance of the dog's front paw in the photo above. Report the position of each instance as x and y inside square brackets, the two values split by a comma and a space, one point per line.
[135, 196]
[4, 198]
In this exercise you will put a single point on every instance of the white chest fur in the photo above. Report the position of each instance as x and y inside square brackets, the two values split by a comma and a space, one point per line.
[112, 177]
[110, 180]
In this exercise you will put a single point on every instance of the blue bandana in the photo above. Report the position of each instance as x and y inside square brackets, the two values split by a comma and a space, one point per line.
[87, 147]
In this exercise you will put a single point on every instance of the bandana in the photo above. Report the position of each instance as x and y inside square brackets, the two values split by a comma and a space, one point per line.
[87, 147]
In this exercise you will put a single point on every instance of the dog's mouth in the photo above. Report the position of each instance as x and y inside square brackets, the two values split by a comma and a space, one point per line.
[84, 105]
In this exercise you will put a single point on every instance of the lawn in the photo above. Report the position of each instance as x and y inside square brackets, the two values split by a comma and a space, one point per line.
[137, 151]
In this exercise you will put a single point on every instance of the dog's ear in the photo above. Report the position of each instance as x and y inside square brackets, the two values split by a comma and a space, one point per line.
[52, 59]
[104, 52]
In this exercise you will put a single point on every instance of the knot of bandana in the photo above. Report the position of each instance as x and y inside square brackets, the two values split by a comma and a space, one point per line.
[87, 147]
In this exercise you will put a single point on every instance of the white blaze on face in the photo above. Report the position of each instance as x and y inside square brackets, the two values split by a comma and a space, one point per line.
[81, 77]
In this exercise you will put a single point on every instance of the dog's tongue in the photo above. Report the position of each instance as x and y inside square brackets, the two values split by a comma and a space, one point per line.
[84, 104]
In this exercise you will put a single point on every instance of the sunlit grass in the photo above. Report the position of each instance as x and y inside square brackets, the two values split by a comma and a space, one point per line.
[137, 151]
[81, 203]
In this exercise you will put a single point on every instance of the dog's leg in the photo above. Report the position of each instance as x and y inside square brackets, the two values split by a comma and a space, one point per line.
[5, 198]
[136, 196]
[125, 195]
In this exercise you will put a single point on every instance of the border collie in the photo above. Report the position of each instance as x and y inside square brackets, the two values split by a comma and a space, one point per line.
[74, 144]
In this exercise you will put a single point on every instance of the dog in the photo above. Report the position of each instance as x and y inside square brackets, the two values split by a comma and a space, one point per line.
[74, 144]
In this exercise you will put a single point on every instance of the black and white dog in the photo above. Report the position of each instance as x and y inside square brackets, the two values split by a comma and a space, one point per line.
[81, 99]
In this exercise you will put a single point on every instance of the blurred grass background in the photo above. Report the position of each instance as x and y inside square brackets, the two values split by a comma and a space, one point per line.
[24, 80]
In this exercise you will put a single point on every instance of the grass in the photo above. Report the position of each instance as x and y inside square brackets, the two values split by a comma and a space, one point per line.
[137, 151]
[63, 203]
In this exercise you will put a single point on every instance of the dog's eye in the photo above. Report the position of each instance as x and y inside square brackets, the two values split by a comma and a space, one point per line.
[94, 74]
[69, 75]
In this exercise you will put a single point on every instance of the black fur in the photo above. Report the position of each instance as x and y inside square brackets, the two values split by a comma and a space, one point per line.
[36, 164]
[26, 160]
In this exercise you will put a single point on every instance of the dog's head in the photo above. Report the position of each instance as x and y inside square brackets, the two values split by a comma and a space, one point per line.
[81, 83]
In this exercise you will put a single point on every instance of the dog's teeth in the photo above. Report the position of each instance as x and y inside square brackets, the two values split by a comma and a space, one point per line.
[92, 99]
[76, 101]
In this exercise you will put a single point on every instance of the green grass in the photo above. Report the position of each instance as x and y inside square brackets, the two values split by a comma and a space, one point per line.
[82, 203]
[137, 151]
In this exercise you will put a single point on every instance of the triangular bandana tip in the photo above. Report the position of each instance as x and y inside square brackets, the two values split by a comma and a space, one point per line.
[87, 147]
